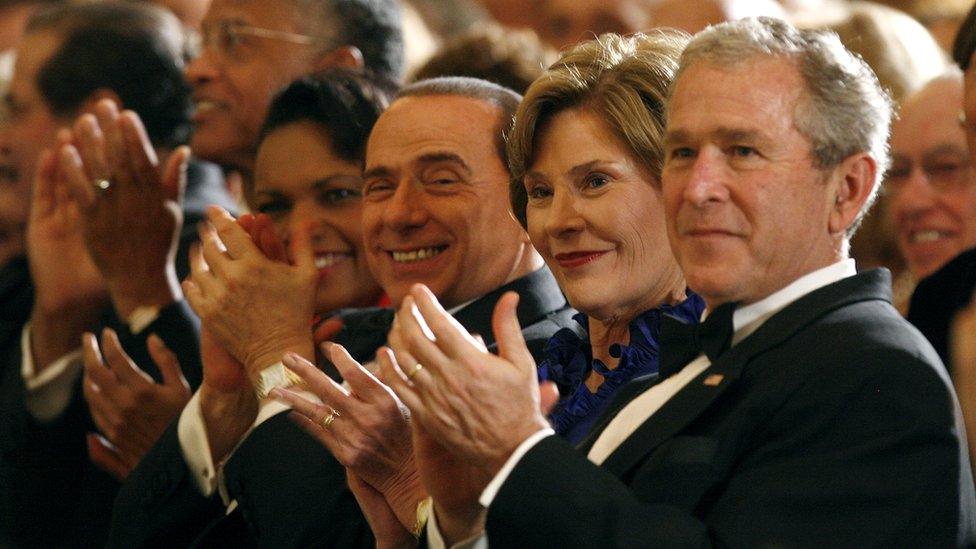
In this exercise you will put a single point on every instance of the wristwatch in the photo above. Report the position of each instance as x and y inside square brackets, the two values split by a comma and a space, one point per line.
[276, 376]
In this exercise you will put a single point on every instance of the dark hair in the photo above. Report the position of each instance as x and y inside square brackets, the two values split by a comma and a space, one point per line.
[965, 44]
[135, 50]
[345, 103]
[510, 58]
[472, 88]
[372, 26]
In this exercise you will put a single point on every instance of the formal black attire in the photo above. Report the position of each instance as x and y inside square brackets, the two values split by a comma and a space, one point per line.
[290, 491]
[938, 298]
[50, 493]
[831, 425]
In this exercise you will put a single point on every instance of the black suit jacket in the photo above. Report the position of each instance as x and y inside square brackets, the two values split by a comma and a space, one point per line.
[939, 297]
[832, 425]
[290, 491]
[50, 494]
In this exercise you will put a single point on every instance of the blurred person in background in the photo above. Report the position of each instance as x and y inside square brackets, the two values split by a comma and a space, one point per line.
[102, 254]
[930, 188]
[509, 58]
[251, 49]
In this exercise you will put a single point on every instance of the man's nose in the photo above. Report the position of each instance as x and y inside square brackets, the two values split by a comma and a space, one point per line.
[406, 208]
[706, 179]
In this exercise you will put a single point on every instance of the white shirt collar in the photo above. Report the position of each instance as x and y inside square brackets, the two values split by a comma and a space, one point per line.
[748, 318]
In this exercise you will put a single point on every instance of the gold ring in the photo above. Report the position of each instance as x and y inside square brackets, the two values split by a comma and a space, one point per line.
[101, 185]
[413, 371]
[327, 420]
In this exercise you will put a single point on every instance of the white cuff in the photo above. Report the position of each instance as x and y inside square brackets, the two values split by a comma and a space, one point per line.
[436, 541]
[192, 432]
[490, 491]
[48, 394]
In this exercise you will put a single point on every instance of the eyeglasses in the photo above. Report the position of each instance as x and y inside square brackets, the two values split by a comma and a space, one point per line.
[229, 38]
[942, 173]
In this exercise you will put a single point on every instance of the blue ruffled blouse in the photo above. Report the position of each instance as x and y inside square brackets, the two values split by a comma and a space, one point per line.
[568, 359]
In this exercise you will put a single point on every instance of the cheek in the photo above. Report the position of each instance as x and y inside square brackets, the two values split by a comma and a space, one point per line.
[535, 220]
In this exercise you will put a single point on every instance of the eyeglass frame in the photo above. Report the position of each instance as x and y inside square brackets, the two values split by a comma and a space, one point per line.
[230, 28]
[936, 177]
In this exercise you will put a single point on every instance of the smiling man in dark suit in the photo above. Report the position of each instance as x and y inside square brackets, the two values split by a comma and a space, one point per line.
[806, 412]
[435, 211]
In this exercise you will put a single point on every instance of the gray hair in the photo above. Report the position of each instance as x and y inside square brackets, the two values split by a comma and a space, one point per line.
[845, 110]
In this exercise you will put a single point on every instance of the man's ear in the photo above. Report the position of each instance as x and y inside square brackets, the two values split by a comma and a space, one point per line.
[348, 57]
[94, 97]
[853, 184]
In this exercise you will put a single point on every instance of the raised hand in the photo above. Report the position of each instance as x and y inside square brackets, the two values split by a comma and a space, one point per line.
[129, 408]
[257, 308]
[69, 290]
[366, 428]
[227, 400]
[471, 409]
[130, 227]
[477, 405]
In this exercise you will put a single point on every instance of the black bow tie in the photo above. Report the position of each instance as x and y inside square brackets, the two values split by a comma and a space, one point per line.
[681, 342]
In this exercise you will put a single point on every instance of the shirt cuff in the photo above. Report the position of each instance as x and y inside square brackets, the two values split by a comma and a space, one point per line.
[48, 394]
[490, 491]
[436, 541]
[192, 432]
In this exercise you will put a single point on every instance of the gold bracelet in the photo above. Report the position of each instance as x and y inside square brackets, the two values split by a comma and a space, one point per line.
[423, 514]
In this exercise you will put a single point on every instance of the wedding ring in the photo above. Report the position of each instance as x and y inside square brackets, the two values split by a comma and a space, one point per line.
[327, 420]
[101, 186]
[413, 371]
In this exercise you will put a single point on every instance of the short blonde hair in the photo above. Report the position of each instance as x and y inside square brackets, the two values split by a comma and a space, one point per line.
[624, 78]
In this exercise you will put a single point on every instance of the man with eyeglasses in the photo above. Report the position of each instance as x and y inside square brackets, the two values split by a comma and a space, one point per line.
[946, 290]
[933, 196]
[250, 49]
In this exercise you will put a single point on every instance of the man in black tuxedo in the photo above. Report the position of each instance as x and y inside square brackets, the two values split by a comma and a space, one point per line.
[435, 211]
[115, 264]
[805, 412]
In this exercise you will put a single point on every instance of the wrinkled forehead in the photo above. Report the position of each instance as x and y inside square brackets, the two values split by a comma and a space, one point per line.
[762, 93]
[416, 126]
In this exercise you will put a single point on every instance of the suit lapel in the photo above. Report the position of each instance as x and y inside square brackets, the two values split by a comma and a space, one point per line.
[695, 397]
[539, 296]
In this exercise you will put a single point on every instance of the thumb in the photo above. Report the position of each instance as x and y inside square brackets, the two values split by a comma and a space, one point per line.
[548, 397]
[103, 454]
[508, 333]
[169, 365]
[301, 247]
[327, 330]
[174, 174]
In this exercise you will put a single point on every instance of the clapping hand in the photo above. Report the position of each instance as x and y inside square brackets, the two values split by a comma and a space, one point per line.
[257, 308]
[130, 205]
[129, 408]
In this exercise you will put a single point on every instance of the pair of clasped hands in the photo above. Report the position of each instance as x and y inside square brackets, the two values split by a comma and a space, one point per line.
[403, 433]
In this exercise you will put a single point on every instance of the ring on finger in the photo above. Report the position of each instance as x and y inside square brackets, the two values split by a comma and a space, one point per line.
[413, 371]
[101, 186]
[328, 419]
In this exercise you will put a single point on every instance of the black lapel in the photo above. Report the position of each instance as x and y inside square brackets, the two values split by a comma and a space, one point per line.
[16, 299]
[697, 395]
[631, 390]
[539, 296]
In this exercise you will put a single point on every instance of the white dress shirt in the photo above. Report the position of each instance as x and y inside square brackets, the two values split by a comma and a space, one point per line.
[745, 320]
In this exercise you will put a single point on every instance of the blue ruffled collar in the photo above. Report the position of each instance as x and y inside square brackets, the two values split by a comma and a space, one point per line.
[568, 359]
